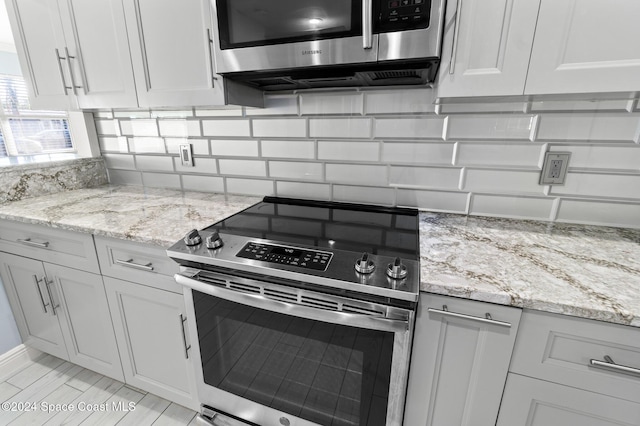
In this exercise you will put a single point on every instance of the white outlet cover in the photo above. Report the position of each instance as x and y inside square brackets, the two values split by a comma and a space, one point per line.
[551, 175]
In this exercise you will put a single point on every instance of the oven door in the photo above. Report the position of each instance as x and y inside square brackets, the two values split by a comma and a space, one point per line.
[277, 355]
[283, 34]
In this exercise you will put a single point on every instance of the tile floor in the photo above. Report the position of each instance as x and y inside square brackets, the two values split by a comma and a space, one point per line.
[48, 381]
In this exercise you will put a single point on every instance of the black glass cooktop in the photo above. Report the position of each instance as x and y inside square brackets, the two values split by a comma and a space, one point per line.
[329, 225]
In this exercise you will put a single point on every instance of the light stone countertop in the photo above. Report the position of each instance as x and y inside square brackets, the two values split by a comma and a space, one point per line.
[586, 271]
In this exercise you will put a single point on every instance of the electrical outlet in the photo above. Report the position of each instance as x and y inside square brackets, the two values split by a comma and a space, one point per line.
[554, 168]
[186, 157]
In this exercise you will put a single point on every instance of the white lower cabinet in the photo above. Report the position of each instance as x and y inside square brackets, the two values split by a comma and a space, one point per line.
[62, 311]
[150, 327]
[459, 363]
[533, 402]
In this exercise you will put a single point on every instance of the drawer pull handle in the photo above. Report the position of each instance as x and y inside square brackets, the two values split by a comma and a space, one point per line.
[488, 320]
[130, 264]
[28, 242]
[184, 336]
[608, 364]
[37, 281]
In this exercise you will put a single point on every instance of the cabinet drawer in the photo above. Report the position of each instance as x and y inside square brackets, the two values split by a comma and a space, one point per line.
[560, 349]
[73, 249]
[141, 263]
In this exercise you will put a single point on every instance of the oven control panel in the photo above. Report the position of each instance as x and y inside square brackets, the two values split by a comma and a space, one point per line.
[294, 256]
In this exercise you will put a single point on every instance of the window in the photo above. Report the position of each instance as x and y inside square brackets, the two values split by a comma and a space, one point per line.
[28, 135]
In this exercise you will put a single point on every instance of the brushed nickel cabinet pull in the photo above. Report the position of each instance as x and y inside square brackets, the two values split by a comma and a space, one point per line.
[28, 242]
[131, 264]
[44, 305]
[47, 284]
[70, 65]
[184, 336]
[609, 364]
[64, 82]
[487, 319]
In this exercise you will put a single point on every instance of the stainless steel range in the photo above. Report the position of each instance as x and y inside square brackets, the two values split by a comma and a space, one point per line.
[302, 312]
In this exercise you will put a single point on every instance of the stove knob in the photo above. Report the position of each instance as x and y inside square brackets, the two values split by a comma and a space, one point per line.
[397, 270]
[213, 241]
[364, 265]
[192, 238]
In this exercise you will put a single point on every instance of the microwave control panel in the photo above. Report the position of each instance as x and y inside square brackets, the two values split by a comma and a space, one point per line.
[398, 15]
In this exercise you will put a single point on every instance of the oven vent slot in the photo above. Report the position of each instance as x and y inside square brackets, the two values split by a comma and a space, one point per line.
[320, 303]
[280, 295]
[248, 288]
[211, 280]
[358, 310]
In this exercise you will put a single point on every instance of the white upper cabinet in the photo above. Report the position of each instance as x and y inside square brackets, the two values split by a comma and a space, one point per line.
[40, 44]
[486, 47]
[509, 47]
[586, 46]
[171, 48]
[98, 53]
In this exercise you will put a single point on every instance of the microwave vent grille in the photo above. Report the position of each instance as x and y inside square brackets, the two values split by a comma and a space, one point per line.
[389, 75]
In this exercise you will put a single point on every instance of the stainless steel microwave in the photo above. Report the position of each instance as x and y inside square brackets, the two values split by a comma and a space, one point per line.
[286, 44]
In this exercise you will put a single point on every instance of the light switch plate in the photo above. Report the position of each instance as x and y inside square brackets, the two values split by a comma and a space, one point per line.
[554, 168]
[186, 157]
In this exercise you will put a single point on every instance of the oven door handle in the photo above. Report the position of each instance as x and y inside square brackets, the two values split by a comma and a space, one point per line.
[302, 311]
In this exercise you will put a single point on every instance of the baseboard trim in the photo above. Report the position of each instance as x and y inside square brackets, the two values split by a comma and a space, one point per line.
[14, 359]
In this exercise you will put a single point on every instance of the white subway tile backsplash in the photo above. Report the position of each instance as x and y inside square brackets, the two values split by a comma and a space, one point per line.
[295, 170]
[340, 128]
[147, 145]
[364, 194]
[115, 144]
[219, 112]
[249, 187]
[276, 105]
[132, 114]
[425, 177]
[491, 127]
[313, 191]
[505, 206]
[236, 148]
[119, 161]
[600, 185]
[499, 154]
[599, 213]
[200, 165]
[155, 163]
[103, 114]
[161, 180]
[482, 107]
[348, 151]
[243, 167]
[203, 183]
[172, 113]
[602, 157]
[280, 128]
[589, 127]
[179, 128]
[359, 174]
[503, 181]
[417, 152]
[429, 127]
[288, 149]
[224, 128]
[413, 101]
[198, 146]
[442, 201]
[619, 105]
[107, 127]
[331, 103]
[124, 177]
[139, 127]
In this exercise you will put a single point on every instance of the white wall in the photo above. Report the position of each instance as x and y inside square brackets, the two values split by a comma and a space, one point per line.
[395, 147]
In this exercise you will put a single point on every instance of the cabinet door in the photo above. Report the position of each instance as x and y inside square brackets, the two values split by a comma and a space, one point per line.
[459, 363]
[586, 46]
[171, 48]
[486, 47]
[40, 44]
[30, 297]
[151, 340]
[534, 402]
[98, 51]
[84, 316]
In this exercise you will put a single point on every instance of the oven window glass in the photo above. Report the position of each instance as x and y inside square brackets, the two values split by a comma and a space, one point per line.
[244, 23]
[325, 373]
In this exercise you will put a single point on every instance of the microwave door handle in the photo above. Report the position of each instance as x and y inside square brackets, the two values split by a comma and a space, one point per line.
[367, 24]
[301, 311]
